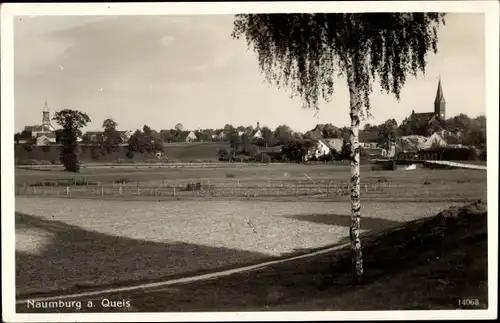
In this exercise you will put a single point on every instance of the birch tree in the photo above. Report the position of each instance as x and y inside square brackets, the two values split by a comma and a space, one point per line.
[307, 53]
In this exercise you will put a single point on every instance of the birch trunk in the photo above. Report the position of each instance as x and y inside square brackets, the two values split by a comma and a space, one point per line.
[355, 109]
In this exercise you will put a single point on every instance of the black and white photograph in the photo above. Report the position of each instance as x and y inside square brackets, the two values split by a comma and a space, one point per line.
[249, 161]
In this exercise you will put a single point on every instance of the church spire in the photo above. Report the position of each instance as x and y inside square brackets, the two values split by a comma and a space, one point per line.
[439, 102]
[46, 107]
[439, 93]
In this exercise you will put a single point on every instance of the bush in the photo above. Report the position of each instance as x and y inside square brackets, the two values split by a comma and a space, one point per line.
[263, 158]
[229, 175]
[129, 154]
[45, 149]
[223, 154]
[27, 147]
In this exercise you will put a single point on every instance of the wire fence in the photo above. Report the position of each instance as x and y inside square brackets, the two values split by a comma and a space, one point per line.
[234, 188]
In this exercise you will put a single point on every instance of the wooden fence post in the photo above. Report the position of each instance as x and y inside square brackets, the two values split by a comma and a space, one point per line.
[102, 190]
[34, 190]
[296, 189]
[174, 190]
[67, 190]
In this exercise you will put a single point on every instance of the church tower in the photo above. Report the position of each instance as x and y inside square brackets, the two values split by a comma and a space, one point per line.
[46, 126]
[440, 103]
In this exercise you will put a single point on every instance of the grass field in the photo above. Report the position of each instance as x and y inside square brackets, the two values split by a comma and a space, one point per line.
[427, 264]
[61, 243]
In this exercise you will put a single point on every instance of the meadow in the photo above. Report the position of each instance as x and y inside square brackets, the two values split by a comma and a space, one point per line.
[80, 240]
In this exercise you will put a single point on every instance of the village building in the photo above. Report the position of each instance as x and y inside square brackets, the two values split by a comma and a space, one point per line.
[43, 134]
[187, 136]
[426, 118]
[257, 132]
[322, 131]
[98, 137]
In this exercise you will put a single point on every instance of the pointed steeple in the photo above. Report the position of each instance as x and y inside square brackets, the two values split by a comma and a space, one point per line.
[440, 103]
[45, 107]
[439, 93]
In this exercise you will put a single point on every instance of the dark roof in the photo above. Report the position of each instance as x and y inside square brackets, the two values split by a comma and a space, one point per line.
[322, 126]
[422, 118]
[91, 133]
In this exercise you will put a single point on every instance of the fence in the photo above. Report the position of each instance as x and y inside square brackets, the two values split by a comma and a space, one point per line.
[196, 189]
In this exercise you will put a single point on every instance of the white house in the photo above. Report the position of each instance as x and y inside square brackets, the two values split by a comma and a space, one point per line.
[191, 136]
[319, 149]
[335, 143]
[434, 141]
[45, 139]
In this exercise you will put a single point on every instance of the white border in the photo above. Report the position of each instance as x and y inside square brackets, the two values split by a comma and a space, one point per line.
[8, 11]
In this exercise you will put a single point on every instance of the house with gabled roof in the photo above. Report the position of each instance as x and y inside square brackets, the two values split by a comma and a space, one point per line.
[422, 119]
[318, 131]
[187, 136]
[256, 133]
[100, 137]
[45, 139]
[45, 130]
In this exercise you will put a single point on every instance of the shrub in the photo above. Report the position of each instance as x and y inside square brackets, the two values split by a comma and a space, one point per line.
[223, 154]
[129, 154]
[263, 158]
[296, 150]
[229, 175]
[45, 149]
[27, 147]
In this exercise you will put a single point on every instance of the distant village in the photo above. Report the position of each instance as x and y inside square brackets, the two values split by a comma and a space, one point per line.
[420, 130]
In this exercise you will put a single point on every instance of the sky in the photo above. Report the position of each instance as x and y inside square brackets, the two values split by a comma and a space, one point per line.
[168, 69]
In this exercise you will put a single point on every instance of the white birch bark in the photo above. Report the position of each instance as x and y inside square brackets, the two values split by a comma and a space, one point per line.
[354, 232]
